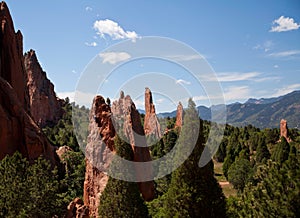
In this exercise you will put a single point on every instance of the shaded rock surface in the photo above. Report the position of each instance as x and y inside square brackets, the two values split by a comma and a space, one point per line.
[18, 131]
[151, 124]
[45, 107]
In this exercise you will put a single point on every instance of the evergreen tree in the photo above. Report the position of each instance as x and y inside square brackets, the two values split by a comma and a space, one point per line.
[262, 152]
[239, 173]
[28, 190]
[274, 193]
[281, 152]
[121, 198]
[194, 192]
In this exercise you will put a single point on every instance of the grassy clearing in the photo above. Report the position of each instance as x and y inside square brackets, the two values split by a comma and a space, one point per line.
[225, 185]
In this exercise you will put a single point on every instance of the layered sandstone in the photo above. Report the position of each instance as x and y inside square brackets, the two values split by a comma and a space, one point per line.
[45, 107]
[179, 116]
[151, 124]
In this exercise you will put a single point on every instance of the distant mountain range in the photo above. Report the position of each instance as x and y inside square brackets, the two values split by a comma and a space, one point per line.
[262, 113]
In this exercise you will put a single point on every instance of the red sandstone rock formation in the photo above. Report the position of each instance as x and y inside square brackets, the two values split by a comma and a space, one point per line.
[100, 147]
[11, 56]
[45, 107]
[18, 131]
[77, 209]
[284, 130]
[124, 109]
[98, 152]
[151, 124]
[179, 116]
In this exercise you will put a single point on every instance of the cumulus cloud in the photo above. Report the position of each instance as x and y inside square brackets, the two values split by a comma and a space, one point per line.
[114, 30]
[114, 57]
[182, 82]
[92, 44]
[283, 24]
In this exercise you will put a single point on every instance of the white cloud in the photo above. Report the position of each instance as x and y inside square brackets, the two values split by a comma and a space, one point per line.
[182, 82]
[266, 46]
[236, 76]
[235, 93]
[285, 53]
[88, 8]
[239, 77]
[80, 98]
[185, 57]
[114, 57]
[92, 44]
[286, 90]
[230, 94]
[114, 30]
[276, 66]
[283, 24]
[74, 71]
[63, 95]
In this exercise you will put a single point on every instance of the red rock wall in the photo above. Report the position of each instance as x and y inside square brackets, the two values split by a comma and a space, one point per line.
[45, 107]
[11, 56]
[18, 131]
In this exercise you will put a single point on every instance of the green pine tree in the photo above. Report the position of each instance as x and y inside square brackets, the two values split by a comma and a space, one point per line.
[121, 198]
[262, 152]
[28, 190]
[281, 152]
[193, 192]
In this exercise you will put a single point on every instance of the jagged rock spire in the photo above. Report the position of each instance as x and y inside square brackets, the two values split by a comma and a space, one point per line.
[151, 124]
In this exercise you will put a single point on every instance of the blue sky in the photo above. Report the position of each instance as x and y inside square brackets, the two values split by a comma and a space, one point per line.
[253, 46]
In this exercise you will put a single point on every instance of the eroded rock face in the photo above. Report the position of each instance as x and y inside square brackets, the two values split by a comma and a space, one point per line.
[284, 130]
[18, 131]
[179, 116]
[151, 124]
[11, 56]
[98, 153]
[100, 148]
[45, 107]
[125, 112]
